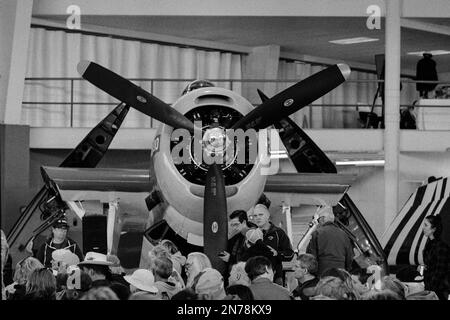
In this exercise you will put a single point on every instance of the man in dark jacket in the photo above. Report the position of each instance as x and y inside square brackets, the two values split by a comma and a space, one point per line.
[274, 238]
[59, 240]
[329, 244]
[305, 273]
[239, 226]
[426, 70]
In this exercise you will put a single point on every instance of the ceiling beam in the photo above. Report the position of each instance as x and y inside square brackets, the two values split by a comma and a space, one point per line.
[145, 36]
[328, 61]
[425, 26]
[348, 8]
[304, 8]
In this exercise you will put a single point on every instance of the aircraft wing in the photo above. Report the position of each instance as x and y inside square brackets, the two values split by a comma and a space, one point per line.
[313, 186]
[93, 183]
[125, 190]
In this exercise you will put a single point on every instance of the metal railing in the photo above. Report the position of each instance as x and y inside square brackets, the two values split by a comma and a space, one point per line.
[229, 83]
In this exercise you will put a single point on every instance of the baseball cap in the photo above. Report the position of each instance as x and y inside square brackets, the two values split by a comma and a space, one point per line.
[209, 281]
[61, 223]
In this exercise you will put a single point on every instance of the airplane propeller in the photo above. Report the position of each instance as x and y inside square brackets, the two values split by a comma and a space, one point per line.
[273, 111]
[294, 98]
[126, 91]
[215, 224]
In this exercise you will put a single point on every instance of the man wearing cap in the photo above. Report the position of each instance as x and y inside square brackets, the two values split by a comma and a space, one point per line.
[255, 246]
[274, 238]
[58, 240]
[329, 244]
[209, 285]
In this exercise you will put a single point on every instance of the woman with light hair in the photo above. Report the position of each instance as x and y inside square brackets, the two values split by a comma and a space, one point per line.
[346, 278]
[333, 288]
[163, 251]
[177, 258]
[196, 262]
[392, 283]
[24, 268]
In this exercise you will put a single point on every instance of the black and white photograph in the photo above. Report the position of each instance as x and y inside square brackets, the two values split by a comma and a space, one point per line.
[224, 155]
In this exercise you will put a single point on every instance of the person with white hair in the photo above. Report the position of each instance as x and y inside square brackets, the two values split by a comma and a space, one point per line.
[196, 262]
[330, 244]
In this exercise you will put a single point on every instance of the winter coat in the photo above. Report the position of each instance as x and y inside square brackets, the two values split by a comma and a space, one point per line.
[332, 248]
[277, 239]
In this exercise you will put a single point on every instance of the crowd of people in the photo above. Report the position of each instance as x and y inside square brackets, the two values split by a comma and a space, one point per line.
[255, 253]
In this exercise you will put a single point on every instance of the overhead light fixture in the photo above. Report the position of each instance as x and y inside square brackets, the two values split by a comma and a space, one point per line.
[281, 154]
[353, 40]
[433, 52]
[374, 163]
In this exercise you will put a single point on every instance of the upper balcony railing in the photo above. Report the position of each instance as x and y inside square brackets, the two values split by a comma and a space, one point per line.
[73, 102]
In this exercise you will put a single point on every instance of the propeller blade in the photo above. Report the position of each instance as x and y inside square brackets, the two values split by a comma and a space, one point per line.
[294, 98]
[303, 152]
[126, 91]
[215, 220]
[262, 96]
[87, 154]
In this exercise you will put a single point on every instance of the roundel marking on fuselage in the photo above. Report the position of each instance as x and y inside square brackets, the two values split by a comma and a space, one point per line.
[288, 102]
[214, 227]
[141, 99]
[156, 144]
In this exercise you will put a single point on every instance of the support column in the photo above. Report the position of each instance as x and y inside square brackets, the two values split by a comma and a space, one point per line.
[392, 110]
[261, 63]
[14, 173]
[15, 20]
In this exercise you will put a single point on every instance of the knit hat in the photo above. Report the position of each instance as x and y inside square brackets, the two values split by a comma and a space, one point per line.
[254, 235]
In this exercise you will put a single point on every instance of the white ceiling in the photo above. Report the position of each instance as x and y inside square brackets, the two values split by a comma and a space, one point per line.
[296, 35]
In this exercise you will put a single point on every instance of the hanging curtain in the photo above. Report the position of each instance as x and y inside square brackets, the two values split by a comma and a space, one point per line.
[57, 53]
[339, 108]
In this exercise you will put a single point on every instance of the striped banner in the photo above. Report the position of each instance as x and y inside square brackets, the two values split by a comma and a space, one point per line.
[404, 241]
